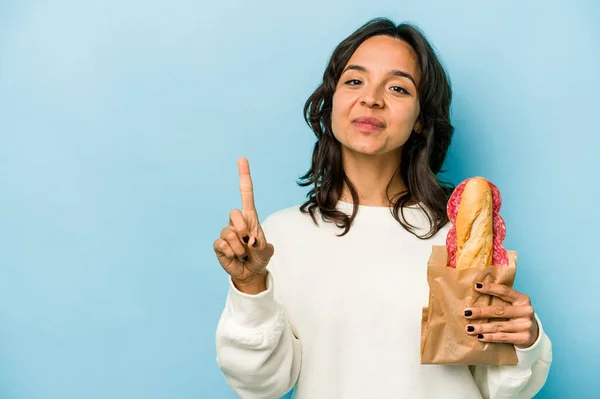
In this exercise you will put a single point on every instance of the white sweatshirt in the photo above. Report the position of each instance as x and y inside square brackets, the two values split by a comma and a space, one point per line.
[341, 317]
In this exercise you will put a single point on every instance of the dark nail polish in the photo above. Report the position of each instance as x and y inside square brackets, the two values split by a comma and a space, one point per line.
[255, 243]
[479, 285]
[480, 336]
[245, 258]
[468, 313]
[470, 328]
[246, 239]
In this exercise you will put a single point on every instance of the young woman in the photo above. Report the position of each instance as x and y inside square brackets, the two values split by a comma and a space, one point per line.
[327, 296]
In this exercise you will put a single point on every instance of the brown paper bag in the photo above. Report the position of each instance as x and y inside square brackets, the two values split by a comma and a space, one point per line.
[443, 336]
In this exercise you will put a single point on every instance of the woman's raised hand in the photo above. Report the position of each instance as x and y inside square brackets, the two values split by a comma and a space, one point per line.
[242, 249]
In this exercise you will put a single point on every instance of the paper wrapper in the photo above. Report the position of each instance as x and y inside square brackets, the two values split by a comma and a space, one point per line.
[443, 328]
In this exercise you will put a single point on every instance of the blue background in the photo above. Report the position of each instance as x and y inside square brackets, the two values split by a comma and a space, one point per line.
[120, 126]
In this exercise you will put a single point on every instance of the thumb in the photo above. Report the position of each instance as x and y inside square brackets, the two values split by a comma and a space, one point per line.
[262, 249]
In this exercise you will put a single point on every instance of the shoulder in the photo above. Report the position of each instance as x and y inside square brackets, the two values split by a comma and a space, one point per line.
[440, 237]
[288, 227]
[421, 218]
[285, 219]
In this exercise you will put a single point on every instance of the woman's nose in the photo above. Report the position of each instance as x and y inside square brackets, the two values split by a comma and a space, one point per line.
[372, 99]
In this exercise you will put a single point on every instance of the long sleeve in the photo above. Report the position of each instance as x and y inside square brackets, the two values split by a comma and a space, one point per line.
[257, 351]
[521, 381]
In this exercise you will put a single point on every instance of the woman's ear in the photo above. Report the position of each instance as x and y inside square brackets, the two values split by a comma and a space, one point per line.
[418, 126]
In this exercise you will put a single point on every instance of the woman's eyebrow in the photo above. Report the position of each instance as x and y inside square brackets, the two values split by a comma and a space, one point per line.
[394, 72]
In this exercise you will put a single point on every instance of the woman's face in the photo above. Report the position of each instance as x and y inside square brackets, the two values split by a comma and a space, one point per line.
[376, 104]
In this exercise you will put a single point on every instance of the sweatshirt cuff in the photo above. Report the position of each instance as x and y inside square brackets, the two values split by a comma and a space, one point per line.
[254, 312]
[529, 356]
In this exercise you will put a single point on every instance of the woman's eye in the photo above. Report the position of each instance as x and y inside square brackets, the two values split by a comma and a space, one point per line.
[399, 90]
[353, 82]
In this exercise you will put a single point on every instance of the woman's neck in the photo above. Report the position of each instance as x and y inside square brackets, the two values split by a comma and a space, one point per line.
[370, 175]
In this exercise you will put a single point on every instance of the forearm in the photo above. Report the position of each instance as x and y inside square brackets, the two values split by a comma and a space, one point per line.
[256, 348]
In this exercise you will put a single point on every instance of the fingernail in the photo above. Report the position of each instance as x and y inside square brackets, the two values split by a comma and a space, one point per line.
[468, 313]
[480, 336]
[470, 328]
[478, 285]
[245, 258]
[246, 239]
[255, 243]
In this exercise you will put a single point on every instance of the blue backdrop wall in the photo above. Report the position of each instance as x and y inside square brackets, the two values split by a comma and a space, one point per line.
[120, 126]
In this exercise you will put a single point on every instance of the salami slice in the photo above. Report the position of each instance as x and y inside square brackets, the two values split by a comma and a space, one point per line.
[451, 247]
[454, 201]
[496, 197]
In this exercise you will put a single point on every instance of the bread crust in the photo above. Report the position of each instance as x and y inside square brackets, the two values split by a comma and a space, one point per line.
[474, 225]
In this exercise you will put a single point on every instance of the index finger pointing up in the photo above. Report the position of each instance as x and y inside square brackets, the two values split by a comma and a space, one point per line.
[246, 190]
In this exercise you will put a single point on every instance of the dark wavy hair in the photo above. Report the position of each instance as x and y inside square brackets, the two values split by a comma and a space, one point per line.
[422, 155]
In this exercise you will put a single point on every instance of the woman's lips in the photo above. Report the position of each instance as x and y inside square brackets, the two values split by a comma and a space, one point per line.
[368, 127]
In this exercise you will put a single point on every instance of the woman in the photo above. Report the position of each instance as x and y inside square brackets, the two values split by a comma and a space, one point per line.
[337, 307]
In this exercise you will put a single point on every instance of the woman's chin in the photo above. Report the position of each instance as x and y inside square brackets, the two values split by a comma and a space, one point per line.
[367, 150]
[367, 145]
